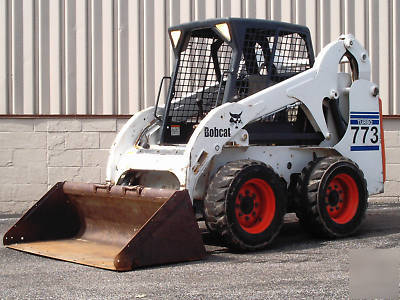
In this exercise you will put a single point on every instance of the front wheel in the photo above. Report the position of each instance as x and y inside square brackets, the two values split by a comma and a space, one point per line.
[245, 204]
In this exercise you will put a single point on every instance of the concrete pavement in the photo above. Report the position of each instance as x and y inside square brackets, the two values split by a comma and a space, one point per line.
[295, 266]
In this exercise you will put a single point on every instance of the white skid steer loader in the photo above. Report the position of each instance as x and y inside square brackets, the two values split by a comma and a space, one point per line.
[253, 127]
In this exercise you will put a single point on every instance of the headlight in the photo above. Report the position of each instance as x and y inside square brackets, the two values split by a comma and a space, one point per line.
[223, 28]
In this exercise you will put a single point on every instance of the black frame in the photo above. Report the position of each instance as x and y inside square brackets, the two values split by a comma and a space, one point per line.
[239, 29]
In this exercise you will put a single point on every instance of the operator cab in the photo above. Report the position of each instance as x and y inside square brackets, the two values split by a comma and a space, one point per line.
[226, 60]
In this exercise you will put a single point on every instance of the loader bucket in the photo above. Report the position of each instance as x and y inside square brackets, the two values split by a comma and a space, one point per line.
[118, 228]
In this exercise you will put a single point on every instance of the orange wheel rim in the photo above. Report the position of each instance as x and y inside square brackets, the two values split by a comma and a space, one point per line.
[255, 206]
[341, 198]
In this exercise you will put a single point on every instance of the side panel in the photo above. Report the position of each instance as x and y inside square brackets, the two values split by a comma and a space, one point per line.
[362, 140]
[284, 160]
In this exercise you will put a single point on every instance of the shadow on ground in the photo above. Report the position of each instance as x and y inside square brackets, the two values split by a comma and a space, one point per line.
[380, 221]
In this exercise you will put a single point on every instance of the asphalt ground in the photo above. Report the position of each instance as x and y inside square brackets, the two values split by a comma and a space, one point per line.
[295, 266]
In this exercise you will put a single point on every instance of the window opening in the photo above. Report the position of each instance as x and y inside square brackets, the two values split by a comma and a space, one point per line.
[198, 79]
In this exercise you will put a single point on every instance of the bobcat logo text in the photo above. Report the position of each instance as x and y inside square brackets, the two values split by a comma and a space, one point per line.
[217, 132]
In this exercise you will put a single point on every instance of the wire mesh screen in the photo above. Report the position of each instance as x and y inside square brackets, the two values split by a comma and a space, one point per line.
[291, 56]
[260, 68]
[253, 67]
[287, 115]
[200, 80]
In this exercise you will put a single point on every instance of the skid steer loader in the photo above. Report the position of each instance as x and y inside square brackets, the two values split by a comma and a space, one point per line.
[252, 128]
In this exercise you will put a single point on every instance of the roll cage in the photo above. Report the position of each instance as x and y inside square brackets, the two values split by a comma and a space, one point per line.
[215, 65]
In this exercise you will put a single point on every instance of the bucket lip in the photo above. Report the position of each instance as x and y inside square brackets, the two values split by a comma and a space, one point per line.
[117, 191]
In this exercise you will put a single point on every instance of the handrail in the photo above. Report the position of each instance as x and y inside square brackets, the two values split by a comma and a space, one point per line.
[158, 97]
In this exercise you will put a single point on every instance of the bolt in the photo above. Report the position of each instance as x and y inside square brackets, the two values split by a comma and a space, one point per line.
[333, 94]
[374, 91]
[348, 43]
[364, 57]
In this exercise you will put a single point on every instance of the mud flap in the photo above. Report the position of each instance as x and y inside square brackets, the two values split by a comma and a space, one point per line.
[117, 228]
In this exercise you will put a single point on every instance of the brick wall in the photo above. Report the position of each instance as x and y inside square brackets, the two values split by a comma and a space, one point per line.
[37, 153]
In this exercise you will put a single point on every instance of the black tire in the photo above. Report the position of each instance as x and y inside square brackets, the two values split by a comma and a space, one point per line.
[236, 210]
[332, 197]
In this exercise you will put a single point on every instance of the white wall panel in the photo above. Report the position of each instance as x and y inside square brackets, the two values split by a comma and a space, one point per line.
[396, 57]
[108, 56]
[123, 56]
[252, 6]
[160, 57]
[384, 53]
[43, 57]
[211, 8]
[53, 105]
[135, 57]
[70, 56]
[261, 9]
[17, 57]
[97, 56]
[81, 47]
[4, 57]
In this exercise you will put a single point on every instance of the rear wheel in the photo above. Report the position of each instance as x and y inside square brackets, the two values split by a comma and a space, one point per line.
[333, 197]
[245, 204]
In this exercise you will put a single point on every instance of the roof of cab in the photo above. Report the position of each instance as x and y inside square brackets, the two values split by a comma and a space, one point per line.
[241, 22]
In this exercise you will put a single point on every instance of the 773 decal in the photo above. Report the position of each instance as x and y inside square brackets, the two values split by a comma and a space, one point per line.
[365, 131]
[374, 131]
